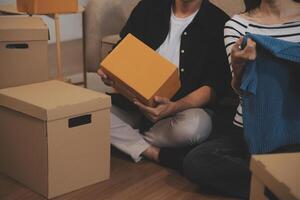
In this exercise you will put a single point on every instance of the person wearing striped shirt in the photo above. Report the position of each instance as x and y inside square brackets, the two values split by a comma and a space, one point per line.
[238, 26]
[222, 164]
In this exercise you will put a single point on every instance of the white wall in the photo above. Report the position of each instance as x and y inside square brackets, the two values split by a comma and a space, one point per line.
[71, 24]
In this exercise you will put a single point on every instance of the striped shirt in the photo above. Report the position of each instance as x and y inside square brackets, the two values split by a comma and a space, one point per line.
[238, 26]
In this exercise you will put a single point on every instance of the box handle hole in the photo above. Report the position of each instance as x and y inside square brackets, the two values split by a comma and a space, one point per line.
[79, 121]
[17, 46]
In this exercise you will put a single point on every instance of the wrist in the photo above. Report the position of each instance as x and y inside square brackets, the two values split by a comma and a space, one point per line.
[236, 84]
[174, 107]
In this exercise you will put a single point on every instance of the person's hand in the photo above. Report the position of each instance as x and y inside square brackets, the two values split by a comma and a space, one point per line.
[164, 108]
[104, 78]
[239, 58]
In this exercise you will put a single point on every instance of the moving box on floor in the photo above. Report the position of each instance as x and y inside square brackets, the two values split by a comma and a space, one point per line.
[54, 137]
[280, 173]
[23, 51]
[140, 72]
[47, 6]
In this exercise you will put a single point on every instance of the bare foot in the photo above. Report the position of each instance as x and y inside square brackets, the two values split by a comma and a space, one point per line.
[152, 153]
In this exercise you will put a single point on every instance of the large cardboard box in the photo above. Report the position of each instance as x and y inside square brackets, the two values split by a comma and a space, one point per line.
[140, 72]
[23, 51]
[54, 137]
[47, 6]
[280, 173]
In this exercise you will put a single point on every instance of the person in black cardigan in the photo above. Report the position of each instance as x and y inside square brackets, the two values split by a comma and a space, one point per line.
[204, 75]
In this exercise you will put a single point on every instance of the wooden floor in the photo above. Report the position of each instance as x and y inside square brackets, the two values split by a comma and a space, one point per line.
[129, 180]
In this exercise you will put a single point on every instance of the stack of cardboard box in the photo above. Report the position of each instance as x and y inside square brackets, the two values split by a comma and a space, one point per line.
[54, 137]
[47, 6]
[23, 51]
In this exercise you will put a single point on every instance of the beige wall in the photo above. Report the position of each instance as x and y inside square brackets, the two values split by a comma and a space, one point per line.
[231, 7]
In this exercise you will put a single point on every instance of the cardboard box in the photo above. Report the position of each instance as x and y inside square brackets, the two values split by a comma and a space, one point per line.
[55, 137]
[47, 6]
[140, 72]
[277, 172]
[23, 51]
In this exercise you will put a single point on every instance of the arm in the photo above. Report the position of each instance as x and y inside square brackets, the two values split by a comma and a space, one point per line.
[217, 73]
[237, 57]
[231, 36]
[195, 99]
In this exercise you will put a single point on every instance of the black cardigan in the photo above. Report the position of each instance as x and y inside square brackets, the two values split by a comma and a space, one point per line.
[204, 61]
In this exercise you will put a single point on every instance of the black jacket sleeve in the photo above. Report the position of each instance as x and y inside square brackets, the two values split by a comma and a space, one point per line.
[136, 23]
[218, 73]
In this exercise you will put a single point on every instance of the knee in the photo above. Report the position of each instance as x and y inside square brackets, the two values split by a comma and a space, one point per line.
[193, 124]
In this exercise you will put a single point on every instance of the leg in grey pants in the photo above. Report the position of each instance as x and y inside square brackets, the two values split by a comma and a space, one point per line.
[185, 128]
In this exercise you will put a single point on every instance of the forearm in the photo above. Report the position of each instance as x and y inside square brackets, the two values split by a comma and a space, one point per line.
[236, 84]
[165, 107]
[196, 99]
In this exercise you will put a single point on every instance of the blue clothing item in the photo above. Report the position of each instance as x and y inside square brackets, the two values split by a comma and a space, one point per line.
[271, 99]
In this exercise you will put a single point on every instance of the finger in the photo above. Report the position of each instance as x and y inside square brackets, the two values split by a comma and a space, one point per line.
[251, 49]
[104, 78]
[249, 52]
[239, 42]
[108, 82]
[250, 42]
[150, 117]
[161, 100]
[251, 45]
[101, 74]
[237, 45]
[144, 108]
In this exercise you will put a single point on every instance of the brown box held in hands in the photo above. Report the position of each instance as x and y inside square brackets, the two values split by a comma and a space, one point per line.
[23, 51]
[140, 72]
[47, 6]
[55, 137]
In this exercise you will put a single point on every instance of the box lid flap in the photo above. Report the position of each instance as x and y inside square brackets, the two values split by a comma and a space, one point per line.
[22, 28]
[53, 100]
[136, 64]
[280, 172]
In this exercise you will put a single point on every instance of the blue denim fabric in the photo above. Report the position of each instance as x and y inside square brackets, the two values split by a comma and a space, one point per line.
[271, 99]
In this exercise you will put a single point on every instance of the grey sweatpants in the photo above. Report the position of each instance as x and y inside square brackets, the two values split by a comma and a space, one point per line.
[186, 127]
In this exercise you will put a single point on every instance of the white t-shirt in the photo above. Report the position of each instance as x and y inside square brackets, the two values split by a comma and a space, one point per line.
[171, 46]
